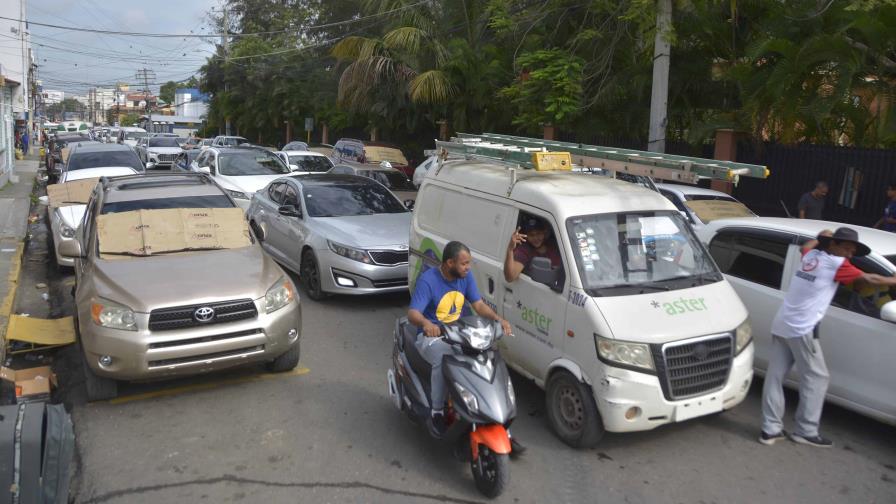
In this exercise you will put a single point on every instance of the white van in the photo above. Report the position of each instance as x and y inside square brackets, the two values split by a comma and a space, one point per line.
[640, 329]
[129, 135]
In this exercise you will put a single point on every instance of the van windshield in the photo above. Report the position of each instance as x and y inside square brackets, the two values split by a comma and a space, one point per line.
[638, 252]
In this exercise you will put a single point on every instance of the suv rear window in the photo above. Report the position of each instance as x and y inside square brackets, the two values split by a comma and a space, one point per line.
[84, 160]
[163, 142]
[213, 201]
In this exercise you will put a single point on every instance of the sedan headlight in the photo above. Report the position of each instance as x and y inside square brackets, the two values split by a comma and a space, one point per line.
[66, 231]
[743, 335]
[351, 253]
[279, 295]
[625, 353]
[468, 398]
[112, 315]
[237, 194]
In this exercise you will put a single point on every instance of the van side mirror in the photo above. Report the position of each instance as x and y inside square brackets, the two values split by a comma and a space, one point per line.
[289, 211]
[71, 249]
[541, 271]
[409, 204]
[888, 312]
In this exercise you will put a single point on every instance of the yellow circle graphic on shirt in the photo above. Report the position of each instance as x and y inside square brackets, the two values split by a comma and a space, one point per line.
[450, 307]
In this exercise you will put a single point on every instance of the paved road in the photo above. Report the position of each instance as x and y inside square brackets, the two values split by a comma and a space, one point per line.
[328, 433]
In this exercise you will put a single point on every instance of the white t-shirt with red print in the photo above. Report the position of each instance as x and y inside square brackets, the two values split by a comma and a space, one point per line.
[811, 291]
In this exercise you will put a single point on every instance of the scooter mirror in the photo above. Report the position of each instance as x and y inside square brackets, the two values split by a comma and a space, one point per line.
[499, 330]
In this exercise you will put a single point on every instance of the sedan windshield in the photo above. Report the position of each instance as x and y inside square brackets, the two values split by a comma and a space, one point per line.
[84, 160]
[710, 208]
[317, 164]
[637, 251]
[251, 162]
[163, 142]
[132, 135]
[344, 199]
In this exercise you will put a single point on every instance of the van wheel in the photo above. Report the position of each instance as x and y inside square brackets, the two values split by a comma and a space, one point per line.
[572, 411]
[98, 388]
[285, 362]
[309, 275]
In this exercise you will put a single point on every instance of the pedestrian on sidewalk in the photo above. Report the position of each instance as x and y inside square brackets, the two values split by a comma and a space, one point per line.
[888, 221]
[25, 142]
[824, 266]
[811, 205]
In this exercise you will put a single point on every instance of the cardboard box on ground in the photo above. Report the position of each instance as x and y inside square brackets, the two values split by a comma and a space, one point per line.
[148, 232]
[32, 384]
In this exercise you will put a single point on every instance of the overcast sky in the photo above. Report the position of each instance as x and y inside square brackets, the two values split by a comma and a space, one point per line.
[75, 61]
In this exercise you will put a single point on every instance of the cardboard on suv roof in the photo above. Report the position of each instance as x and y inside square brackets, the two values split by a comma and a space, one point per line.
[150, 232]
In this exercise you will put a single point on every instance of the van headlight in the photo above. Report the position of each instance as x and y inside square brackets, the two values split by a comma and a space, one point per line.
[743, 335]
[468, 398]
[349, 252]
[112, 315]
[625, 353]
[279, 295]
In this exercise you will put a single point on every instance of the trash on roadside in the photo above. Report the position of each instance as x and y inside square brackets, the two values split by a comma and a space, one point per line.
[32, 384]
[28, 334]
[45, 296]
[40, 285]
[33, 218]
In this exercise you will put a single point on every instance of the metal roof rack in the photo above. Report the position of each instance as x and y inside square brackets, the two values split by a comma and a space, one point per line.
[521, 150]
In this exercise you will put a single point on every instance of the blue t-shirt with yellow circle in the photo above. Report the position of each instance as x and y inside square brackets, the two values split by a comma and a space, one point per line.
[441, 300]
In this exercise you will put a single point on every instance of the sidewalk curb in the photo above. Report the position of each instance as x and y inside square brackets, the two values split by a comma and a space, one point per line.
[6, 305]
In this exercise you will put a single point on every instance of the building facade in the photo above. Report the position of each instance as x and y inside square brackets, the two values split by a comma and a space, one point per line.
[16, 64]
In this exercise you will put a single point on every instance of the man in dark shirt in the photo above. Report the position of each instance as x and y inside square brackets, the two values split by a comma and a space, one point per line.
[536, 242]
[811, 204]
[888, 221]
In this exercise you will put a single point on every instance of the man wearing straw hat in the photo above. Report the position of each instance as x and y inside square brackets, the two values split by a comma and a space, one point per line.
[825, 265]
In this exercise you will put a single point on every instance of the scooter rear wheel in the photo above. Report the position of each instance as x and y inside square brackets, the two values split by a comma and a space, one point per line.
[491, 472]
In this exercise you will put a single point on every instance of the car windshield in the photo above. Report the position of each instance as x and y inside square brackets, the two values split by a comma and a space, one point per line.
[344, 199]
[212, 201]
[317, 164]
[395, 181]
[637, 251]
[133, 135]
[163, 142]
[84, 160]
[252, 162]
[233, 141]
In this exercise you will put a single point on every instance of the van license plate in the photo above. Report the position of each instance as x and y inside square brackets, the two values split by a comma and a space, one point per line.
[698, 407]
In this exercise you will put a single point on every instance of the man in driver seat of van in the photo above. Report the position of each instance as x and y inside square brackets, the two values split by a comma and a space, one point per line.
[824, 266]
[534, 241]
[439, 297]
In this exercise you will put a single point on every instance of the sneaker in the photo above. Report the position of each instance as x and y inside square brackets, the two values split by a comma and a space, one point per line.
[437, 425]
[770, 439]
[816, 440]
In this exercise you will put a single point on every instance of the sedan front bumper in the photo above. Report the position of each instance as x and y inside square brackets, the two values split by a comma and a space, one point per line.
[341, 275]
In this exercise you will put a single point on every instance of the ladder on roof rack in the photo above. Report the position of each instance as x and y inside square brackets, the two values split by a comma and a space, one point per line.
[520, 150]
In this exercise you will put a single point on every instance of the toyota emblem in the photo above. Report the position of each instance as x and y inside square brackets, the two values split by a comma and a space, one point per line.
[204, 314]
[701, 352]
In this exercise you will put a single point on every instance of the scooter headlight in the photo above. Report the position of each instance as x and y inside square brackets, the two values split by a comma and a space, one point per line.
[468, 398]
[479, 338]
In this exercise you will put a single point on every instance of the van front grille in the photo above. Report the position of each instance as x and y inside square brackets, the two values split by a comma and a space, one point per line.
[694, 367]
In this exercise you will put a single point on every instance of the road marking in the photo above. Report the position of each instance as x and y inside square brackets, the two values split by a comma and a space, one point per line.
[206, 386]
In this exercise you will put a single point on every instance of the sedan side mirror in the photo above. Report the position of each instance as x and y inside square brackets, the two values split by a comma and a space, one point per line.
[289, 211]
[409, 204]
[888, 312]
[71, 249]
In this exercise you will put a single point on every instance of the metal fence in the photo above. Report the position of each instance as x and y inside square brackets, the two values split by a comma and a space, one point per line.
[857, 178]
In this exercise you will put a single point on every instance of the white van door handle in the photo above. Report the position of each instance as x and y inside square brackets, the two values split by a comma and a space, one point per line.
[508, 290]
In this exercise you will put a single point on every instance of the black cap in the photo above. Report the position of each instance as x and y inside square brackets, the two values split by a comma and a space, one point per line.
[850, 235]
[531, 223]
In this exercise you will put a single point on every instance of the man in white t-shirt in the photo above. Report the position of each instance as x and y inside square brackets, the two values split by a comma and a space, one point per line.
[825, 265]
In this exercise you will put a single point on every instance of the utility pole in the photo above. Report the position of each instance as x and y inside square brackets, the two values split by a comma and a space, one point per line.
[225, 45]
[146, 76]
[659, 96]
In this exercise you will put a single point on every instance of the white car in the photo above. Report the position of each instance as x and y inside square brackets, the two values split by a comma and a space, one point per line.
[858, 334]
[158, 151]
[305, 162]
[702, 206]
[228, 141]
[240, 170]
[129, 135]
[64, 220]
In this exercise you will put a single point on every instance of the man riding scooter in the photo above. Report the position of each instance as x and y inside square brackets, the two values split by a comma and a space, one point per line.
[439, 297]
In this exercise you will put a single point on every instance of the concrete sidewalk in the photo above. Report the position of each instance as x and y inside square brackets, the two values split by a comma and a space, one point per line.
[15, 202]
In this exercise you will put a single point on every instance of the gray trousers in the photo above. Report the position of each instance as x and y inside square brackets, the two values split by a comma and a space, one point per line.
[433, 349]
[806, 354]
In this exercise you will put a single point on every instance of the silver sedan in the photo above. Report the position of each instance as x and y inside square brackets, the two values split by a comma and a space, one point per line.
[344, 234]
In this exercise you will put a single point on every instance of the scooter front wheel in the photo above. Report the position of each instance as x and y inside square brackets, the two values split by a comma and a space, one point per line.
[491, 471]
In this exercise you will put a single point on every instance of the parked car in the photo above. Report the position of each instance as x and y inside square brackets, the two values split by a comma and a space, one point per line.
[65, 219]
[305, 161]
[424, 168]
[53, 156]
[112, 137]
[129, 135]
[295, 145]
[702, 206]
[184, 159]
[191, 143]
[325, 149]
[361, 151]
[760, 255]
[84, 156]
[206, 143]
[228, 141]
[393, 179]
[158, 151]
[144, 317]
[240, 170]
[344, 234]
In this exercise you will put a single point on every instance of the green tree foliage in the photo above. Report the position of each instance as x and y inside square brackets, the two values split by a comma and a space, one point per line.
[548, 90]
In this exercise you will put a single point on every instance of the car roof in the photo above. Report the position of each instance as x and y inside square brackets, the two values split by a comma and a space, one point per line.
[693, 190]
[323, 179]
[562, 193]
[140, 187]
[882, 242]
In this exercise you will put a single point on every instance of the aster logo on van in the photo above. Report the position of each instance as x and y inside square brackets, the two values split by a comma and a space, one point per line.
[683, 305]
